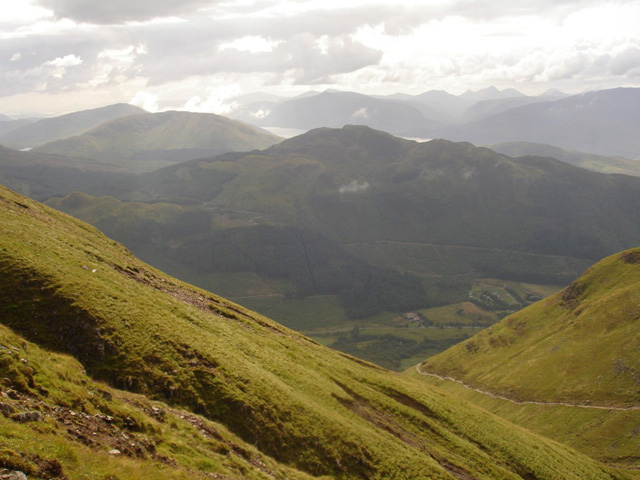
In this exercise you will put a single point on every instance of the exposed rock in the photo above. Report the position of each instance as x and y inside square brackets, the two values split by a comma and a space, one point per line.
[631, 257]
[6, 409]
[115, 451]
[27, 417]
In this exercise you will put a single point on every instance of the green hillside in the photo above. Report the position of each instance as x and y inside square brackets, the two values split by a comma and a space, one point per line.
[352, 226]
[42, 176]
[440, 212]
[579, 347]
[67, 288]
[147, 141]
[50, 129]
[590, 161]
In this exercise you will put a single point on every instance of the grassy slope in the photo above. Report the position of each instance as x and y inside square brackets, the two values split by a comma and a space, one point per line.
[65, 126]
[609, 436]
[42, 176]
[135, 135]
[590, 161]
[82, 420]
[66, 287]
[579, 346]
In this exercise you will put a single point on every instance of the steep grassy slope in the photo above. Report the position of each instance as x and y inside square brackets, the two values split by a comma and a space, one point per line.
[83, 429]
[66, 287]
[148, 141]
[579, 347]
[609, 435]
[65, 126]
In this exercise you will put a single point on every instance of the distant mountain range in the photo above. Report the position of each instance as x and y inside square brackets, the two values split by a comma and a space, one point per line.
[601, 122]
[605, 122]
[335, 109]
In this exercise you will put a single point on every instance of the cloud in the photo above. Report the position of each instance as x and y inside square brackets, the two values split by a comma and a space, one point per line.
[361, 113]
[625, 61]
[354, 187]
[104, 12]
[303, 58]
[145, 100]
[184, 51]
[63, 62]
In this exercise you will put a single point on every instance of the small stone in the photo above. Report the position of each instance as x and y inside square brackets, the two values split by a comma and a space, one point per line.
[15, 475]
[115, 451]
[94, 270]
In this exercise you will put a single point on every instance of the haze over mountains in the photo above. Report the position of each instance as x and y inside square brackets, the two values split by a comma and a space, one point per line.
[601, 122]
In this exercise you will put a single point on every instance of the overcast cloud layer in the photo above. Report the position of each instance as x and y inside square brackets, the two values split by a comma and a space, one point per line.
[64, 55]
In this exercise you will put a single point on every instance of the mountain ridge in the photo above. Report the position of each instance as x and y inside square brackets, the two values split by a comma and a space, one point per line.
[147, 141]
[55, 128]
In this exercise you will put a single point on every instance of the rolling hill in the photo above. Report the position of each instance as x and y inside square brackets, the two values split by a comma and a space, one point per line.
[243, 396]
[590, 161]
[367, 190]
[570, 363]
[148, 141]
[603, 122]
[8, 124]
[42, 176]
[65, 126]
[339, 226]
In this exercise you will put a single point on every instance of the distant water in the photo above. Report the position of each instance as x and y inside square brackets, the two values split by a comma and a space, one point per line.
[285, 132]
[417, 139]
[294, 132]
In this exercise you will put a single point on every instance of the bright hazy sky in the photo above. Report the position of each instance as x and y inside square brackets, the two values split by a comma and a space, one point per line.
[58, 56]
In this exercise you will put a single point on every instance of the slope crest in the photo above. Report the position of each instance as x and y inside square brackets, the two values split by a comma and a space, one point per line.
[579, 346]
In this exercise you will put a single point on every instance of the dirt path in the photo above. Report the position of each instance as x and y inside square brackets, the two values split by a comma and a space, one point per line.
[524, 402]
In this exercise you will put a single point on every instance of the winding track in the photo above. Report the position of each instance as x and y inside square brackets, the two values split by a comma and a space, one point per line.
[526, 402]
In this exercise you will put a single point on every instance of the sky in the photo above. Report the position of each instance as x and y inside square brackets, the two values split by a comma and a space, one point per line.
[59, 56]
